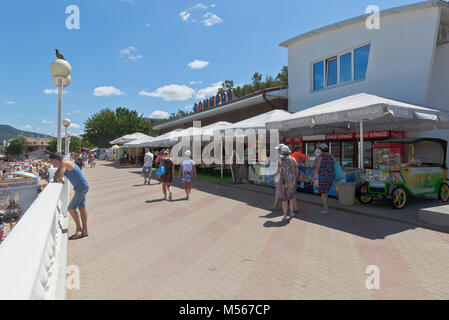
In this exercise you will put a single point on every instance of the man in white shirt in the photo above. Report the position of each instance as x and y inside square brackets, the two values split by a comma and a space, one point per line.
[148, 164]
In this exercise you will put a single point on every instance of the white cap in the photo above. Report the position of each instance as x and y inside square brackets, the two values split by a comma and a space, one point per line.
[280, 146]
[324, 146]
[188, 153]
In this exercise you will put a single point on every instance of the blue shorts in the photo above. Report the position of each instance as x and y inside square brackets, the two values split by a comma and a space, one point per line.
[146, 170]
[79, 199]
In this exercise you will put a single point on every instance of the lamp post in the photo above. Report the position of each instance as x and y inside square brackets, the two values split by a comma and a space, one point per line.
[66, 124]
[60, 70]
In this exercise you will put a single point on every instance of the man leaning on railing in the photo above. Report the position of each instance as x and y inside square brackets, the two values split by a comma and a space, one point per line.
[73, 173]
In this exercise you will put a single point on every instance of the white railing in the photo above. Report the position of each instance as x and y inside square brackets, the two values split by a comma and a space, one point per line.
[33, 258]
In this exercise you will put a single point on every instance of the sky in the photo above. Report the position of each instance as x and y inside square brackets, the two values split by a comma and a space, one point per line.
[153, 56]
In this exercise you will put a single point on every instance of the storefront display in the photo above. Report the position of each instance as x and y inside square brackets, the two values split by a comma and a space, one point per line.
[405, 168]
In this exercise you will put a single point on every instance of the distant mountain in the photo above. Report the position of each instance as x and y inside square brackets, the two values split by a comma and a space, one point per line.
[8, 132]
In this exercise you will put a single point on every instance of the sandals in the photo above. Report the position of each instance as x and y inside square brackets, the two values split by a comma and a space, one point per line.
[78, 236]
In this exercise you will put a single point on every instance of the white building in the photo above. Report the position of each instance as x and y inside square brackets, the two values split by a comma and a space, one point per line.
[406, 59]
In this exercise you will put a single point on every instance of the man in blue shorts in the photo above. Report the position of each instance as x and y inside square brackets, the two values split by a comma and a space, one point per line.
[73, 173]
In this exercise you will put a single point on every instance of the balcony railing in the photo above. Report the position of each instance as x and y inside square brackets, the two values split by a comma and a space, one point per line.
[33, 258]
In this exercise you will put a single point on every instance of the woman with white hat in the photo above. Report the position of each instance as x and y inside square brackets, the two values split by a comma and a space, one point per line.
[288, 175]
[188, 172]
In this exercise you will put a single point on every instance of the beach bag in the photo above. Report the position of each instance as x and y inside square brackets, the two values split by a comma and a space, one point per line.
[339, 175]
[161, 170]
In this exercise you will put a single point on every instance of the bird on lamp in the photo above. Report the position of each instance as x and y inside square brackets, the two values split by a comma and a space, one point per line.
[59, 55]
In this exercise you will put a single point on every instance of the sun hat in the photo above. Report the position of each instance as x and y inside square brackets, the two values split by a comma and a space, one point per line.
[280, 146]
[188, 153]
[285, 149]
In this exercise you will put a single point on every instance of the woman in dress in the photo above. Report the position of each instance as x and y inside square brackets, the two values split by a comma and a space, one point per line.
[288, 175]
[188, 172]
[167, 177]
[325, 171]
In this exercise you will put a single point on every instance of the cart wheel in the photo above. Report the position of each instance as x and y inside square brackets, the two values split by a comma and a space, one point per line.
[399, 197]
[363, 196]
[443, 194]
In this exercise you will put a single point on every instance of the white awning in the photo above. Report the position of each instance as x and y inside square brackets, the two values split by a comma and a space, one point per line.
[378, 114]
[139, 142]
[128, 138]
[261, 120]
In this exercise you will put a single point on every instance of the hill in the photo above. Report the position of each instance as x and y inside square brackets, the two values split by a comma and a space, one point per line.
[8, 132]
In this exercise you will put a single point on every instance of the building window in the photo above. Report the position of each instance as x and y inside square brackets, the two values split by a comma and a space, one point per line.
[331, 72]
[318, 75]
[342, 68]
[361, 62]
[346, 67]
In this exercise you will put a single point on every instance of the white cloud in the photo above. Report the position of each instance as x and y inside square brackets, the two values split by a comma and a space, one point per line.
[210, 19]
[45, 121]
[184, 15]
[76, 111]
[74, 125]
[171, 92]
[209, 91]
[26, 127]
[158, 114]
[196, 82]
[130, 54]
[198, 64]
[147, 25]
[107, 91]
[54, 91]
[10, 102]
[194, 14]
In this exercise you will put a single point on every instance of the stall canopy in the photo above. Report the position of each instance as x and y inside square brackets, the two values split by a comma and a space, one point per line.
[164, 140]
[138, 142]
[260, 121]
[128, 138]
[375, 112]
[208, 130]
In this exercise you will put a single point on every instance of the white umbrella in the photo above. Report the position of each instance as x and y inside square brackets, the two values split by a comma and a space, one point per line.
[139, 142]
[259, 121]
[128, 138]
[165, 140]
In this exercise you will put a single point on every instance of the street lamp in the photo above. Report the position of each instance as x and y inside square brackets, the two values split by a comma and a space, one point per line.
[66, 124]
[60, 70]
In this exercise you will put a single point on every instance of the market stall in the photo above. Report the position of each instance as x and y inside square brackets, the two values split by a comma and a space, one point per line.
[348, 123]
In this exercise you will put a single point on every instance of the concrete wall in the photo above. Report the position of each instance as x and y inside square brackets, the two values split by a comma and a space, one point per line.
[399, 66]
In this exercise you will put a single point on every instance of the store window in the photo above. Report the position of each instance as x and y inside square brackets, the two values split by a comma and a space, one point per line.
[310, 149]
[343, 68]
[347, 159]
[335, 150]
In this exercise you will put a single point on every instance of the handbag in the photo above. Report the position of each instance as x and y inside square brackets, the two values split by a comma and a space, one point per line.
[161, 170]
[339, 175]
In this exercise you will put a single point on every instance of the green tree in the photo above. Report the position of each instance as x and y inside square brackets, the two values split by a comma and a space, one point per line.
[17, 147]
[108, 125]
[75, 144]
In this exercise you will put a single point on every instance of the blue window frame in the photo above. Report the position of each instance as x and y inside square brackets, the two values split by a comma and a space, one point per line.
[342, 68]
[346, 67]
[361, 62]
[318, 75]
[331, 72]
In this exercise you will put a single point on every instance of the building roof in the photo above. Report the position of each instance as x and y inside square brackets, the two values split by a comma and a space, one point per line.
[344, 23]
[249, 100]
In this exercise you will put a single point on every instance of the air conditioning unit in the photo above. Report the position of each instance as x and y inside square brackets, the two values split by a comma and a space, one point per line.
[443, 34]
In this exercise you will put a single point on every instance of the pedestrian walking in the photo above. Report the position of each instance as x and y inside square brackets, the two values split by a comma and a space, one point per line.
[288, 175]
[188, 172]
[325, 172]
[167, 177]
[73, 173]
[147, 166]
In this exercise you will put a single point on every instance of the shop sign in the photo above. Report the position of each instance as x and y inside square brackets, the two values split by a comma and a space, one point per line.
[18, 185]
[374, 135]
[219, 99]
[320, 137]
[340, 136]
[397, 134]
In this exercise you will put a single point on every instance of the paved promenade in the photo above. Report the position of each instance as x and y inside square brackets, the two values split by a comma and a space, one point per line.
[224, 243]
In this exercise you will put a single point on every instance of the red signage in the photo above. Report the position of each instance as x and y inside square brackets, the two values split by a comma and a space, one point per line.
[397, 134]
[296, 140]
[340, 136]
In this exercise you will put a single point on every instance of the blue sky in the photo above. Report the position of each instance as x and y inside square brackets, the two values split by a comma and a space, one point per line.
[153, 56]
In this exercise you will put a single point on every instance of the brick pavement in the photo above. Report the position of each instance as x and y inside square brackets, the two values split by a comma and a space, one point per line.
[225, 244]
